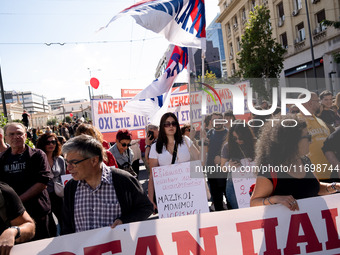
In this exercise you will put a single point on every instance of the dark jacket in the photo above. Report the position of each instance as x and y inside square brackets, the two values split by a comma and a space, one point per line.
[135, 205]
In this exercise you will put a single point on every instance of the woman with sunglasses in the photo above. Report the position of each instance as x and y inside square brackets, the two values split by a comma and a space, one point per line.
[122, 152]
[283, 148]
[90, 130]
[171, 148]
[239, 148]
[49, 143]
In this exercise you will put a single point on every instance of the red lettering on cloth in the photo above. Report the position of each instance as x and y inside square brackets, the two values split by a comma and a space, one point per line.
[332, 231]
[186, 243]
[150, 242]
[268, 225]
[309, 237]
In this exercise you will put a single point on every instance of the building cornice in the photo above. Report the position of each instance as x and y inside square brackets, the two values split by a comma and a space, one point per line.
[226, 11]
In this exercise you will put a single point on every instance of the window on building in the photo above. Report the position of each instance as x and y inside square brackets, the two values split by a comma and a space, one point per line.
[298, 4]
[284, 40]
[231, 51]
[235, 22]
[320, 16]
[244, 15]
[253, 4]
[238, 43]
[233, 69]
[228, 29]
[301, 32]
[280, 11]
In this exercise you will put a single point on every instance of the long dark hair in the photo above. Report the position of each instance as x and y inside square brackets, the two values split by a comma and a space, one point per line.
[42, 142]
[278, 144]
[162, 138]
[246, 135]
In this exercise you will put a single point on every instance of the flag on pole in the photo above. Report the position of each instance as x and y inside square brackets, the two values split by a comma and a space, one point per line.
[156, 96]
[182, 22]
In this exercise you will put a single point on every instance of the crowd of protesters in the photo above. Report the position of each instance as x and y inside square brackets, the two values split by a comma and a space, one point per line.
[112, 170]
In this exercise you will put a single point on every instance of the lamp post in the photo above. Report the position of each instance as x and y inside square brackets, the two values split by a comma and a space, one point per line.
[3, 95]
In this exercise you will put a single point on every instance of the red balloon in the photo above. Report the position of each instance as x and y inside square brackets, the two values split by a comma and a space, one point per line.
[94, 83]
[71, 114]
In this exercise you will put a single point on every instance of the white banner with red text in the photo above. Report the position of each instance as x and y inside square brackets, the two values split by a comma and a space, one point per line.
[108, 114]
[269, 230]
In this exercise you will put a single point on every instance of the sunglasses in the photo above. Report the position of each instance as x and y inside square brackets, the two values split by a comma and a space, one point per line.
[126, 144]
[51, 142]
[187, 129]
[309, 137]
[168, 124]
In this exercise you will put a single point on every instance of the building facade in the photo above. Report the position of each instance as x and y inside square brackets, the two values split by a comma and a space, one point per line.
[56, 103]
[31, 102]
[290, 28]
[214, 34]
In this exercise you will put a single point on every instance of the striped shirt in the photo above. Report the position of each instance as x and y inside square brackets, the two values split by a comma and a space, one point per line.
[96, 208]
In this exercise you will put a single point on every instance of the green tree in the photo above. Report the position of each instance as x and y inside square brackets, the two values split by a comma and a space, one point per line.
[3, 120]
[52, 122]
[209, 78]
[261, 57]
[335, 24]
[67, 119]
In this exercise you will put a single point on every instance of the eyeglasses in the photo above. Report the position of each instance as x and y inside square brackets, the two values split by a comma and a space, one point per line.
[309, 137]
[54, 142]
[126, 144]
[74, 163]
[168, 124]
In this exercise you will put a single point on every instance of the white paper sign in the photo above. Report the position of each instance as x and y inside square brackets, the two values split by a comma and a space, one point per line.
[242, 181]
[177, 194]
[65, 178]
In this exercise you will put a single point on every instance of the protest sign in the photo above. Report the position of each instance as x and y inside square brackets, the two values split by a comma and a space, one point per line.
[272, 229]
[242, 180]
[108, 114]
[178, 194]
[65, 178]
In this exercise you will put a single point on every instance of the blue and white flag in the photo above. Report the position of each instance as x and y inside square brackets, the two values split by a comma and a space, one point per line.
[182, 22]
[154, 99]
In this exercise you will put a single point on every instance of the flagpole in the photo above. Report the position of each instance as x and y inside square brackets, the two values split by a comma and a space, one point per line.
[203, 109]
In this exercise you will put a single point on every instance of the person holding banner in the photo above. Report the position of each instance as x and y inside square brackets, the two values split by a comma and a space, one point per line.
[16, 225]
[171, 147]
[98, 196]
[285, 173]
[240, 145]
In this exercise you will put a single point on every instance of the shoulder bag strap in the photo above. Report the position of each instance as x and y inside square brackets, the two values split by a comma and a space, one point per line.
[174, 154]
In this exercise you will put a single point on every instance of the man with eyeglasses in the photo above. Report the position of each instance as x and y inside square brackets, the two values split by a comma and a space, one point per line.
[319, 131]
[98, 196]
[27, 171]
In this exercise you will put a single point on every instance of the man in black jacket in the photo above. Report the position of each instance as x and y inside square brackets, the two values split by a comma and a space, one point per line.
[99, 196]
[27, 171]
